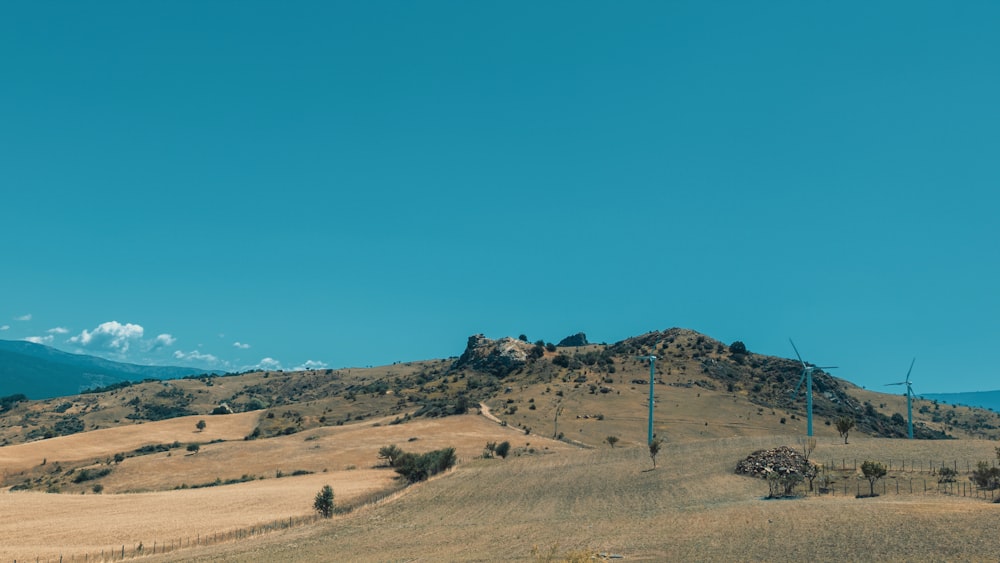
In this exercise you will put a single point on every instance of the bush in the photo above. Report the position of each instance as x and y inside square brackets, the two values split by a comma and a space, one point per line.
[390, 454]
[323, 502]
[503, 449]
[91, 474]
[985, 476]
[418, 467]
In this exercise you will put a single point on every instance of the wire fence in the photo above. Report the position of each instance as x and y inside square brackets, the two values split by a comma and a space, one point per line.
[134, 550]
[903, 477]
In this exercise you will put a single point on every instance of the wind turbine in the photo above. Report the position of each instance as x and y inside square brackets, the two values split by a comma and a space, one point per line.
[807, 376]
[652, 373]
[909, 398]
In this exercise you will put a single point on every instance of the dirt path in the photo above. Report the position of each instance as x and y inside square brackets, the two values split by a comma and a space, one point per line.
[485, 411]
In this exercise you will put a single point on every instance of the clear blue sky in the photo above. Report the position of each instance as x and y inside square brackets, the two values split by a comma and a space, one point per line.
[234, 184]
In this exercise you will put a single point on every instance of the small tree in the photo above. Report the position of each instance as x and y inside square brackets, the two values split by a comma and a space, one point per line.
[503, 448]
[194, 448]
[985, 476]
[119, 457]
[611, 440]
[201, 425]
[808, 444]
[873, 471]
[324, 502]
[844, 426]
[390, 454]
[654, 449]
[490, 450]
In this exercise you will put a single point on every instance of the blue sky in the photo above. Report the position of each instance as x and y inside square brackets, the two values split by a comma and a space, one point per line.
[239, 184]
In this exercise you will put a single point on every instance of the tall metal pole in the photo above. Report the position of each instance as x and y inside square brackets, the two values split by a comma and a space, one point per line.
[652, 373]
[909, 409]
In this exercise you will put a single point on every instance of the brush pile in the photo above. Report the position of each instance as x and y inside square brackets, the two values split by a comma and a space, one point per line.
[781, 460]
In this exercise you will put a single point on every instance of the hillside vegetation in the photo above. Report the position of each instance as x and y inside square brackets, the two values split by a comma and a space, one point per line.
[274, 438]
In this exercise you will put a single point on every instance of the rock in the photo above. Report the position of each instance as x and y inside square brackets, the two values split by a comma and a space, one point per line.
[578, 339]
[496, 357]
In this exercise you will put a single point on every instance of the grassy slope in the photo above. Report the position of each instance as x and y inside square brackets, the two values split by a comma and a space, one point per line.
[50, 525]
[691, 508]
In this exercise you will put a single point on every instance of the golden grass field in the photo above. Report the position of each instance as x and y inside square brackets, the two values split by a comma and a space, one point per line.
[690, 508]
[35, 524]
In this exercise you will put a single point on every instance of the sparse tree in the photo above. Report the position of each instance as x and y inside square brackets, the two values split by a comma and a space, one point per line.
[985, 476]
[201, 425]
[654, 449]
[390, 454]
[503, 448]
[324, 502]
[873, 471]
[808, 444]
[490, 450]
[844, 426]
[523, 338]
[611, 440]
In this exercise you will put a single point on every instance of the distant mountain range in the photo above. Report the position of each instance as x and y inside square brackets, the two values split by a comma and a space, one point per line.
[983, 399]
[41, 372]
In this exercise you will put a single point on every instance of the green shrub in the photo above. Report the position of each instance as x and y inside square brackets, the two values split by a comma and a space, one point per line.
[503, 449]
[418, 467]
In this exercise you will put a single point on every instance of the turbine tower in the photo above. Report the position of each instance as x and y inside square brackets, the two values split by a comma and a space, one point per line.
[909, 398]
[807, 376]
[652, 373]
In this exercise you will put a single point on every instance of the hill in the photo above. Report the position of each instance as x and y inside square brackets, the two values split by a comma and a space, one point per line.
[272, 439]
[982, 399]
[41, 372]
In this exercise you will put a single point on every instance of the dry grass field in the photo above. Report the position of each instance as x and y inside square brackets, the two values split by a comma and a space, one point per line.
[35, 524]
[691, 508]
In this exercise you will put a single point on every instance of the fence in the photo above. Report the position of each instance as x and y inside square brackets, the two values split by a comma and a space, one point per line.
[900, 478]
[144, 549]
[913, 465]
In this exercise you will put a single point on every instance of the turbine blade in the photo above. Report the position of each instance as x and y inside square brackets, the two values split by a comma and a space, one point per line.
[911, 369]
[900, 383]
[797, 352]
[801, 379]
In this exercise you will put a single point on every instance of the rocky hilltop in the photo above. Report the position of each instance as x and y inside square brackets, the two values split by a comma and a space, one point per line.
[497, 357]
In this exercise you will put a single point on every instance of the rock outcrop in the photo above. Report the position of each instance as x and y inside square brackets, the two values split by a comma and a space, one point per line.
[578, 339]
[496, 357]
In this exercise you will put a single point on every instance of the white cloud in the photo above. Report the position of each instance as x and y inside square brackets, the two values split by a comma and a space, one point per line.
[311, 364]
[58, 330]
[40, 339]
[111, 335]
[241, 345]
[196, 356]
[23, 317]
[268, 364]
[161, 341]
[5, 327]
